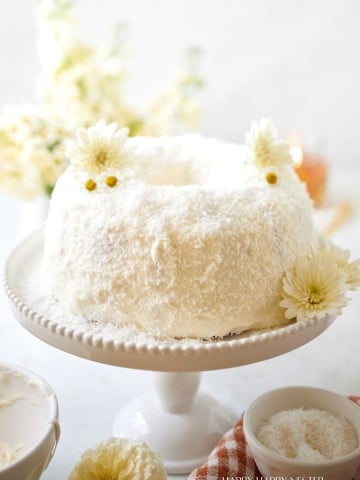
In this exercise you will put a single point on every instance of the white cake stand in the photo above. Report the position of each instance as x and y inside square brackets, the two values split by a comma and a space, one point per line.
[173, 419]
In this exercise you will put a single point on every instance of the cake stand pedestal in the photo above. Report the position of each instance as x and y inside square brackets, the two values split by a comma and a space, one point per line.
[175, 420]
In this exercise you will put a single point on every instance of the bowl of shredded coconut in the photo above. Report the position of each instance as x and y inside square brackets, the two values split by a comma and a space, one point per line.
[304, 432]
[29, 429]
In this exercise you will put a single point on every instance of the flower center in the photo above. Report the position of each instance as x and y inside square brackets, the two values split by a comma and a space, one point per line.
[101, 157]
[110, 476]
[271, 178]
[315, 296]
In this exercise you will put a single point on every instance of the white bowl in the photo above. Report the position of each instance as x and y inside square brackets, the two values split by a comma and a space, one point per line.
[28, 422]
[270, 463]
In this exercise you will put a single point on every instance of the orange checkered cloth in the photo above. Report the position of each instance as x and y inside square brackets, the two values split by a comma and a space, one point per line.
[231, 457]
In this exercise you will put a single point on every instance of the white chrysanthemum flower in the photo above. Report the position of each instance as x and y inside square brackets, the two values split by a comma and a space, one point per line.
[264, 147]
[120, 459]
[351, 269]
[314, 288]
[98, 148]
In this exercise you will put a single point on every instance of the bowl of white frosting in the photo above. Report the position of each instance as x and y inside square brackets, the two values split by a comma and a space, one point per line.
[29, 428]
[304, 432]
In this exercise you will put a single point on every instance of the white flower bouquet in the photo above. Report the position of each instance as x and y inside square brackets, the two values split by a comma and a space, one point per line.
[79, 85]
[32, 151]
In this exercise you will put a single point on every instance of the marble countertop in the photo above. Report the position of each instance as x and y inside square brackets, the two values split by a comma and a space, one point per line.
[91, 394]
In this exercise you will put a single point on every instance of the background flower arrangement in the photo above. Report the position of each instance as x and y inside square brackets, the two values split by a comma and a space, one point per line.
[32, 151]
[80, 84]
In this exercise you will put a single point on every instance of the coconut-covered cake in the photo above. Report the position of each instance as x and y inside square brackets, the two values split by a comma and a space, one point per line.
[188, 236]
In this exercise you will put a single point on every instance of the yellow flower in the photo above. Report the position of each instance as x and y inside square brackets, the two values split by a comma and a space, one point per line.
[98, 148]
[264, 147]
[119, 459]
[314, 288]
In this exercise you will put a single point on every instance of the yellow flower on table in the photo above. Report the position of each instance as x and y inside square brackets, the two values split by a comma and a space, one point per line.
[119, 459]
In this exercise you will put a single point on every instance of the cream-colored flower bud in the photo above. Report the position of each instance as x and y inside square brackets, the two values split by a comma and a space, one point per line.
[265, 148]
[119, 459]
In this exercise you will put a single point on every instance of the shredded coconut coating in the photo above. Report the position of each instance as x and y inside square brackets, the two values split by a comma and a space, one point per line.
[192, 243]
[311, 435]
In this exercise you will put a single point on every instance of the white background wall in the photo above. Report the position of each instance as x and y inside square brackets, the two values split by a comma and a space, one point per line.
[295, 61]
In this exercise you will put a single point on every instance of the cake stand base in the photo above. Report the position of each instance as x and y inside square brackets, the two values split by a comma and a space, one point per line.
[182, 426]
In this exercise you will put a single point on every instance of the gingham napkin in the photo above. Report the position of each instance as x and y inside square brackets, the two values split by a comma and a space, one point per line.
[231, 457]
